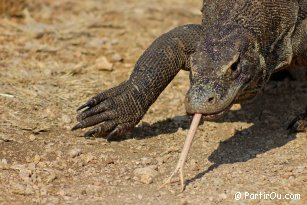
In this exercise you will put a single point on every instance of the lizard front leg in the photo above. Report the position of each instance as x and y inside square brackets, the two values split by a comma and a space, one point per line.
[117, 110]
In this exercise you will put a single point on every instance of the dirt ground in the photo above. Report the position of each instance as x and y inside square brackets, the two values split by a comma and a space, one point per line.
[56, 54]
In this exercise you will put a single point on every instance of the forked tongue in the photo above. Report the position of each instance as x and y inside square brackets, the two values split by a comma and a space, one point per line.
[185, 150]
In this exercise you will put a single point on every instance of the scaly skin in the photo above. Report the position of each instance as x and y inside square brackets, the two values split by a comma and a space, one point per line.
[230, 57]
[119, 109]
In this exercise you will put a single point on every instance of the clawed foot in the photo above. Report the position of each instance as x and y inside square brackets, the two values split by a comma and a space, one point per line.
[299, 124]
[114, 112]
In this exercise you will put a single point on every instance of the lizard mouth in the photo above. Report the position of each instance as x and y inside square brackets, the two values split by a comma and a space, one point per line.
[217, 115]
[213, 109]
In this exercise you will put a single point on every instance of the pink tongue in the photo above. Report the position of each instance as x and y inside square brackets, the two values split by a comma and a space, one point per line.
[185, 151]
[189, 139]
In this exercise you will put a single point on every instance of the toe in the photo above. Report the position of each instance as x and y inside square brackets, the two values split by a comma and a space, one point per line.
[102, 130]
[93, 111]
[90, 103]
[119, 130]
[96, 119]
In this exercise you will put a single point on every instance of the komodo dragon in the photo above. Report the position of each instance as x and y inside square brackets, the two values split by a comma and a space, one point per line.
[230, 56]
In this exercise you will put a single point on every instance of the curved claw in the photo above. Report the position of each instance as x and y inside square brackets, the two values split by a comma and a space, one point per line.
[92, 111]
[96, 119]
[91, 133]
[87, 104]
[77, 126]
[102, 130]
[119, 130]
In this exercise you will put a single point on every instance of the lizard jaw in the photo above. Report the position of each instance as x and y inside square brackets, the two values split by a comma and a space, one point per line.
[217, 115]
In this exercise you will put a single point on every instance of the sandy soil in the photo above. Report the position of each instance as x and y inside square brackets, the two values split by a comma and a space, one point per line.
[60, 53]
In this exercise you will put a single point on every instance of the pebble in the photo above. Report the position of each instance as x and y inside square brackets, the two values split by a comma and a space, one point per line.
[89, 158]
[183, 202]
[32, 137]
[236, 107]
[75, 153]
[22, 189]
[62, 193]
[66, 119]
[51, 178]
[4, 166]
[146, 179]
[146, 161]
[103, 63]
[25, 174]
[145, 174]
[36, 159]
[97, 42]
[223, 196]
[194, 165]
[116, 57]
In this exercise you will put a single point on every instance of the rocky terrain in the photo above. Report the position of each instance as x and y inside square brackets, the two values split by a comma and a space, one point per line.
[54, 55]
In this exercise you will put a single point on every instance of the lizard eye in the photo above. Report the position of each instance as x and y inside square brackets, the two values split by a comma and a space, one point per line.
[234, 69]
[235, 65]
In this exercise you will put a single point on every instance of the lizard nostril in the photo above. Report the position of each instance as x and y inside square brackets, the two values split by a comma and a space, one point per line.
[211, 100]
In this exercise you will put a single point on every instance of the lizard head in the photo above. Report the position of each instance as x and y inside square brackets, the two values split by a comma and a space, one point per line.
[225, 63]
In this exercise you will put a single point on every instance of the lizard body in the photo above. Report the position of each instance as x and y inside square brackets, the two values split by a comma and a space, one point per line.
[231, 55]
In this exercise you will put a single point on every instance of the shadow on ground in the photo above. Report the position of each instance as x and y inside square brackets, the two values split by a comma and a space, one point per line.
[245, 144]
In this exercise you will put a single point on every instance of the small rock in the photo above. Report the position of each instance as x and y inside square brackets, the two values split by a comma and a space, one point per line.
[4, 166]
[146, 161]
[31, 167]
[146, 179]
[97, 42]
[25, 174]
[90, 158]
[19, 189]
[4, 138]
[183, 202]
[36, 159]
[32, 137]
[223, 196]
[236, 107]
[75, 153]
[66, 119]
[99, 183]
[51, 178]
[102, 63]
[116, 57]
[43, 191]
[194, 165]
[62, 193]
[145, 175]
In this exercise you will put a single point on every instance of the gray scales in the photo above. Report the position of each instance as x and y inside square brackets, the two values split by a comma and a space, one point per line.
[230, 56]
